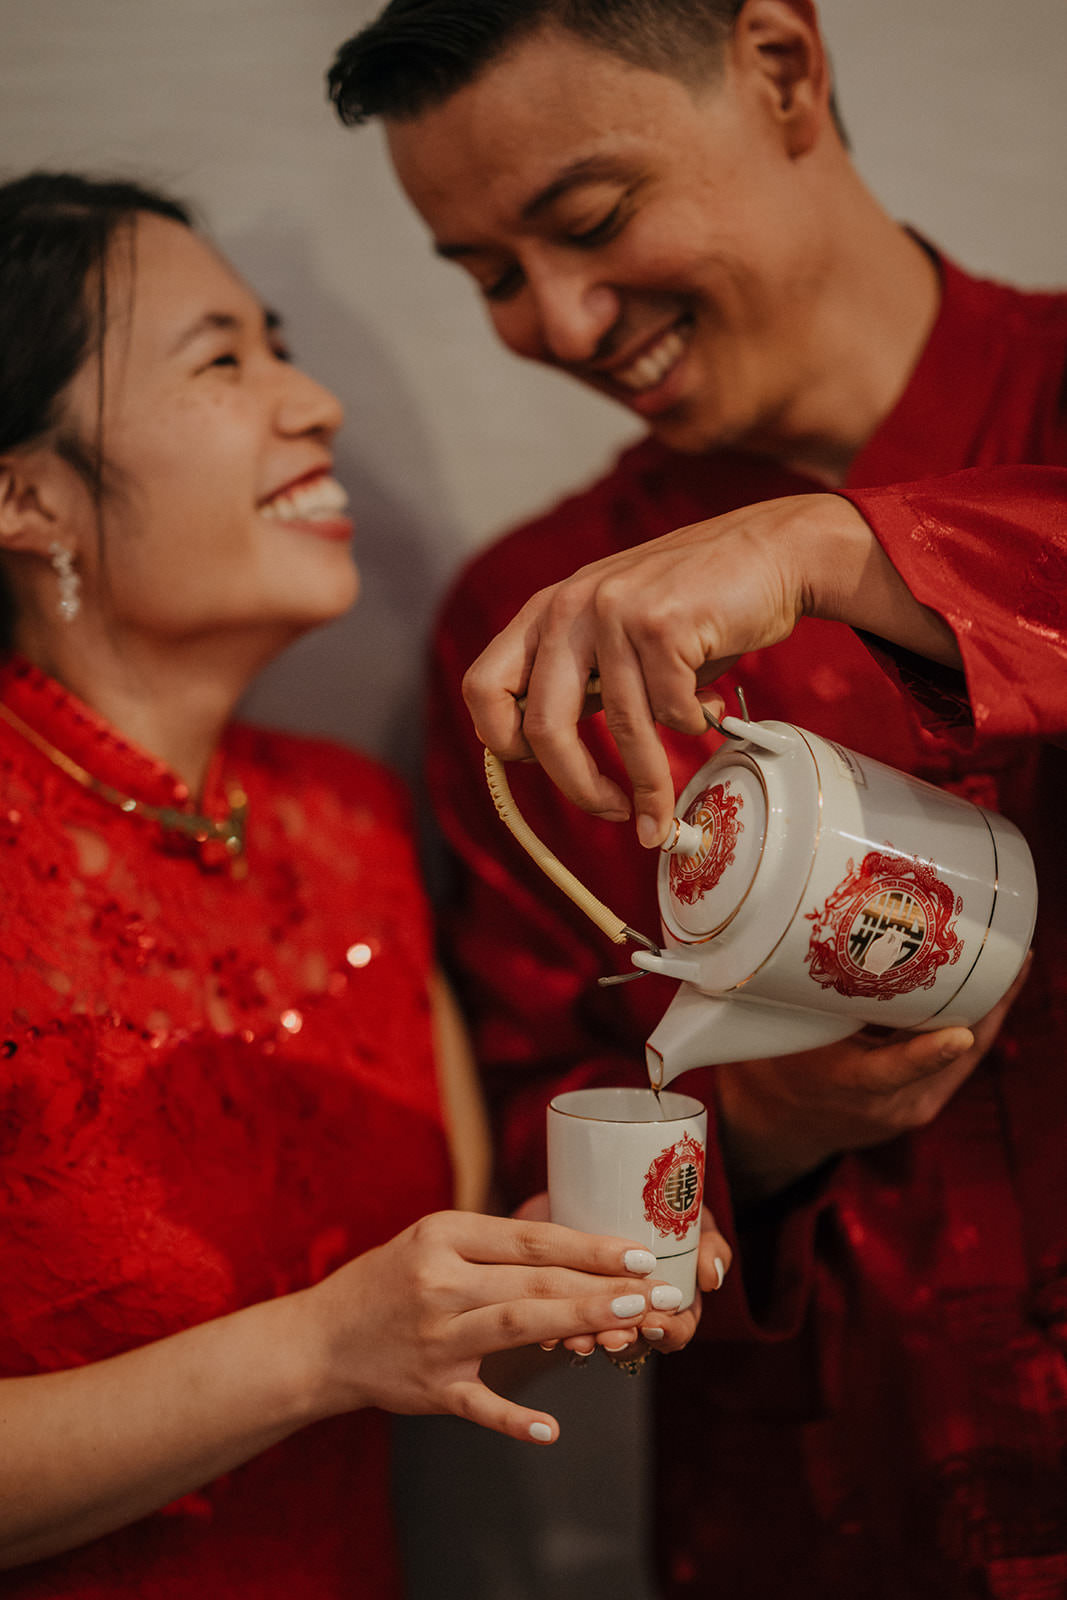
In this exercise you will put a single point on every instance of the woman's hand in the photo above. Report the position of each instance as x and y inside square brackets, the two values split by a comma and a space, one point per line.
[660, 1329]
[406, 1326]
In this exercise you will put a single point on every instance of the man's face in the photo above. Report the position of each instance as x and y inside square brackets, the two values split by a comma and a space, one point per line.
[657, 242]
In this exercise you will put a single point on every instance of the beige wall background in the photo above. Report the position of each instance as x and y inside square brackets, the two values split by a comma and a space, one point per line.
[956, 112]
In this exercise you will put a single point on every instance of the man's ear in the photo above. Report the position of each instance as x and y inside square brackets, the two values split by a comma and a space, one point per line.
[32, 495]
[780, 40]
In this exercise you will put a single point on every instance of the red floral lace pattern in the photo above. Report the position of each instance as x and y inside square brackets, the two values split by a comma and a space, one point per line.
[213, 1088]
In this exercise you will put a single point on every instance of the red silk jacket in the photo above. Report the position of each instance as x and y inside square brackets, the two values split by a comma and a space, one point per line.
[876, 1404]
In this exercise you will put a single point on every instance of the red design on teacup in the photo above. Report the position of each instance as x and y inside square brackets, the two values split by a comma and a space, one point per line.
[674, 1185]
[715, 812]
[887, 930]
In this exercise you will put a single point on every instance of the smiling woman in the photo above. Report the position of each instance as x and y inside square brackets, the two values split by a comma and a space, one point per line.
[235, 1097]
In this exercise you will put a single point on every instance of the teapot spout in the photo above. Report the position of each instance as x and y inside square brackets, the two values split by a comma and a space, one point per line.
[700, 1030]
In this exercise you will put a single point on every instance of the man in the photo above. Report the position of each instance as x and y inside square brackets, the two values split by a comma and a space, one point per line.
[851, 504]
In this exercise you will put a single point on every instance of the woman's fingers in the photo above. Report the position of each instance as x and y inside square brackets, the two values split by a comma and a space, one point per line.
[475, 1402]
[513, 1323]
[714, 1256]
[486, 1285]
[526, 1243]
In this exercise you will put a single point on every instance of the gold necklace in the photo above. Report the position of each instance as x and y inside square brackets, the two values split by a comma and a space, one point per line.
[230, 833]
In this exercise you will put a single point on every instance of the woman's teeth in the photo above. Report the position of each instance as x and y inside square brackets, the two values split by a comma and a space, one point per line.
[653, 366]
[324, 497]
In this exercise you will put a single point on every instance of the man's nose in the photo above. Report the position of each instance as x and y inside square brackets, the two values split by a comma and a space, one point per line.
[571, 316]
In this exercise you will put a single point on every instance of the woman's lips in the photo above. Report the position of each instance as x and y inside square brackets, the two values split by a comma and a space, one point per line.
[319, 501]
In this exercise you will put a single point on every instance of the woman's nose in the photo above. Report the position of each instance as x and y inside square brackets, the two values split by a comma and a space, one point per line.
[307, 406]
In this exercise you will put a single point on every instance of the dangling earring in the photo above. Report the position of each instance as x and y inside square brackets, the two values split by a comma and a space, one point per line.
[70, 584]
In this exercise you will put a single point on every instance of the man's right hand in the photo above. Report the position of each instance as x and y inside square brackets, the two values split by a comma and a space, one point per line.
[782, 1117]
[658, 622]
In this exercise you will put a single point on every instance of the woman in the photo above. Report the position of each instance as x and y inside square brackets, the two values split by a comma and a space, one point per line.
[220, 1122]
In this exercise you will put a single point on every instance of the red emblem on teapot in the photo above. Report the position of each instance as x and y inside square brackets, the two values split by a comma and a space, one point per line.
[716, 812]
[887, 930]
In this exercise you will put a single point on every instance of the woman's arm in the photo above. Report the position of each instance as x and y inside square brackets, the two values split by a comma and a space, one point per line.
[461, 1097]
[403, 1327]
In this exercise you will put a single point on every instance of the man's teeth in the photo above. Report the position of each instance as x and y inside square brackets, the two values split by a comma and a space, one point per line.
[323, 497]
[653, 366]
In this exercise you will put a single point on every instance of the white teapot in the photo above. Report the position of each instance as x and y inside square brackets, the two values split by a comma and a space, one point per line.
[808, 890]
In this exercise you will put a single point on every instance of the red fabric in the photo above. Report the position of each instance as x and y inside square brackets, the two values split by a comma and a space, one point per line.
[877, 1402]
[204, 1103]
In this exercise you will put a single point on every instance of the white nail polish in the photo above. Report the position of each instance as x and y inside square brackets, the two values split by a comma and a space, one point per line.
[665, 1297]
[720, 1270]
[541, 1432]
[653, 1335]
[628, 1305]
[614, 1349]
[642, 1261]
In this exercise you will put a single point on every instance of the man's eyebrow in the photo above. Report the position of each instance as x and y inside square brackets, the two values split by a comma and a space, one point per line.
[214, 321]
[587, 169]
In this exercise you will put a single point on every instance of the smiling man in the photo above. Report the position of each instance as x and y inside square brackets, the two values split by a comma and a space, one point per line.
[851, 502]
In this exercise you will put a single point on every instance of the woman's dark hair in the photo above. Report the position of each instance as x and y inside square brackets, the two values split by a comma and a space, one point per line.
[57, 230]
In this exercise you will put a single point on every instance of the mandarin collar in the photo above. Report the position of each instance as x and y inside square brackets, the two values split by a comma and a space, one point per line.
[87, 739]
[929, 430]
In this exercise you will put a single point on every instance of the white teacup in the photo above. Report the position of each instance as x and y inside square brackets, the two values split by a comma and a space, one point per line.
[622, 1162]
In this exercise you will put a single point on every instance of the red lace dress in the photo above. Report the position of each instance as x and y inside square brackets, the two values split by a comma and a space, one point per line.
[214, 1089]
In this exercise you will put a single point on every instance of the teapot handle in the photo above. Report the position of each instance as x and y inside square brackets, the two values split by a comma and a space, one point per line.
[764, 738]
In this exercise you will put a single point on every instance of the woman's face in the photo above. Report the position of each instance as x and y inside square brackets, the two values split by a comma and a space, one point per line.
[219, 511]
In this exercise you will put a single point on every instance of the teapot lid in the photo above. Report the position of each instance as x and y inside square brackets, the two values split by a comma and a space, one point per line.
[704, 890]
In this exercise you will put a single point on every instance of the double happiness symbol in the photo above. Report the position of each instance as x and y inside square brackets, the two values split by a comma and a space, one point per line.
[886, 930]
[715, 813]
[673, 1188]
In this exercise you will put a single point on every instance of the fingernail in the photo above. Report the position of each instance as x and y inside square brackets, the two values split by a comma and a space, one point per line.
[548, 1345]
[614, 816]
[665, 1297]
[628, 1305]
[648, 831]
[639, 1261]
[541, 1432]
[720, 1271]
[621, 1344]
[653, 1335]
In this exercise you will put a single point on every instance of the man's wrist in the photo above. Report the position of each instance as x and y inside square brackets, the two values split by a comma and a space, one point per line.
[853, 580]
[765, 1149]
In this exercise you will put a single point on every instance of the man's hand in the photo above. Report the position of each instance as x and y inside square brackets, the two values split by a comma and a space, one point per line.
[781, 1118]
[658, 622]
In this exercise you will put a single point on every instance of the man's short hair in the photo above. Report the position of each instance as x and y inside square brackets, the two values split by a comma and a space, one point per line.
[420, 52]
